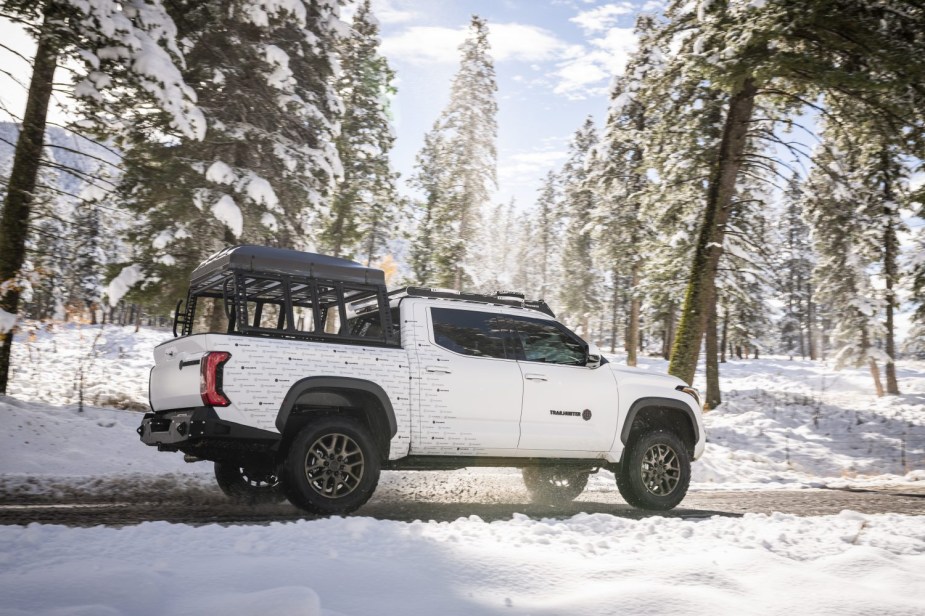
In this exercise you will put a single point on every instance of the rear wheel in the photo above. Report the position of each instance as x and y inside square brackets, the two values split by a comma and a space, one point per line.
[554, 485]
[655, 472]
[248, 484]
[332, 466]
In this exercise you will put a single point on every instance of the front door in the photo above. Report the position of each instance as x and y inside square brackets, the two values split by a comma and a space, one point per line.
[567, 406]
[470, 384]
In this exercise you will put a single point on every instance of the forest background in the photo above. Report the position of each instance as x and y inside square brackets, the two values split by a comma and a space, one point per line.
[748, 182]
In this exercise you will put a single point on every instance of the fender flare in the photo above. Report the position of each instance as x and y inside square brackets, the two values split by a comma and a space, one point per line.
[321, 387]
[642, 404]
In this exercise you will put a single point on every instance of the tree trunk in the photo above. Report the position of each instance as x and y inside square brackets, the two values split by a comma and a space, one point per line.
[17, 206]
[875, 372]
[713, 396]
[700, 288]
[632, 330]
[811, 323]
[614, 313]
[889, 274]
[725, 340]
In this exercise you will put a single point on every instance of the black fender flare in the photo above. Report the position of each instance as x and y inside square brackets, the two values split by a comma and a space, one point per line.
[327, 391]
[642, 404]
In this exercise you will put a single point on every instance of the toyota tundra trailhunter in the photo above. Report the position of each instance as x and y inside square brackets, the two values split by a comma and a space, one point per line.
[299, 375]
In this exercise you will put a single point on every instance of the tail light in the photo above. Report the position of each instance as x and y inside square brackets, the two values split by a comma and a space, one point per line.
[210, 378]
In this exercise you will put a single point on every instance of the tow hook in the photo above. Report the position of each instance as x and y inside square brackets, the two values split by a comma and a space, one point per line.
[188, 458]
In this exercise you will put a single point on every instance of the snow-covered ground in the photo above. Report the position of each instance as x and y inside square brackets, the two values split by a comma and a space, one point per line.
[783, 424]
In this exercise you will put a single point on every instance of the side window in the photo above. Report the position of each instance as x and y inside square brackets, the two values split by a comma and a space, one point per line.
[545, 341]
[467, 332]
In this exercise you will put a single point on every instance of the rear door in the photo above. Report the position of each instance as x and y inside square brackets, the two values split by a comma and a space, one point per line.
[567, 406]
[470, 384]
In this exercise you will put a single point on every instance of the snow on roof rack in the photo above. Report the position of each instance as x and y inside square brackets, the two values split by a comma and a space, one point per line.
[503, 298]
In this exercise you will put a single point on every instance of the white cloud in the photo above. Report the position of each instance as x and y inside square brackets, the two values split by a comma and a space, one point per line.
[586, 72]
[388, 13]
[525, 168]
[436, 44]
[602, 17]
[523, 42]
[424, 45]
[577, 71]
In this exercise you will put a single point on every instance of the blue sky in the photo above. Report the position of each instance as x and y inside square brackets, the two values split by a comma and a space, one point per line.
[554, 59]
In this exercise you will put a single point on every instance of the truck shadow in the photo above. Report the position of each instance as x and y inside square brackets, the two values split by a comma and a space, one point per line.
[489, 512]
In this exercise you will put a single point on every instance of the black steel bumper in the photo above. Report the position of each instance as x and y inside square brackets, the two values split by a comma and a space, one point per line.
[188, 429]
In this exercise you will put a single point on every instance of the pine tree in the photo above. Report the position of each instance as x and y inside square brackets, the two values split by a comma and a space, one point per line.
[840, 213]
[621, 183]
[548, 236]
[466, 134]
[263, 172]
[579, 288]
[365, 205]
[139, 64]
[794, 274]
[432, 178]
[862, 49]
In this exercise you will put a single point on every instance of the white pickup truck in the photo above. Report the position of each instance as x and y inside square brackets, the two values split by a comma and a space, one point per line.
[299, 375]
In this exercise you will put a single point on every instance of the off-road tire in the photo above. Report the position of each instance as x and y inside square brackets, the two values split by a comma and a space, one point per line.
[655, 472]
[247, 485]
[554, 485]
[331, 467]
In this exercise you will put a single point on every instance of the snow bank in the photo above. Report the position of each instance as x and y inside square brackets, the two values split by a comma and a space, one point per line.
[588, 564]
[47, 360]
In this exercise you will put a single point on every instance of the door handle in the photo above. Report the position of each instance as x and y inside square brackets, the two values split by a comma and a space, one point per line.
[438, 369]
[536, 377]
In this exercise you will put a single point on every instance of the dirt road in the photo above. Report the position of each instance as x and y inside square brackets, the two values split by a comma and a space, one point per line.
[408, 497]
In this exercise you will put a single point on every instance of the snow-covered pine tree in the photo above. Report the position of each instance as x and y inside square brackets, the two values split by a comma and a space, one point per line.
[743, 279]
[794, 271]
[263, 171]
[127, 58]
[470, 132]
[683, 136]
[548, 227]
[365, 206]
[879, 150]
[841, 214]
[867, 50]
[499, 241]
[579, 289]
[915, 341]
[621, 183]
[527, 255]
[432, 178]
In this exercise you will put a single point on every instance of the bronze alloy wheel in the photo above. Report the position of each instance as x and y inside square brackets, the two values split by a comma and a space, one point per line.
[655, 470]
[334, 465]
[661, 469]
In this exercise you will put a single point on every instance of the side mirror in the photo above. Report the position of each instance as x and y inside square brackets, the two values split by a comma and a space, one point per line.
[594, 356]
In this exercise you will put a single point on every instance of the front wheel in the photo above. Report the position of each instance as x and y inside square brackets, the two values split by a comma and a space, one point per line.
[249, 485]
[332, 466]
[655, 472]
[554, 485]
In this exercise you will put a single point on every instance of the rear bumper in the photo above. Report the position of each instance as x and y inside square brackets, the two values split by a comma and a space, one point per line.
[199, 427]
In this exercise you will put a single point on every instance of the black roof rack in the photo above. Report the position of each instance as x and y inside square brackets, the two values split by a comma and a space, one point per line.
[502, 298]
[265, 259]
